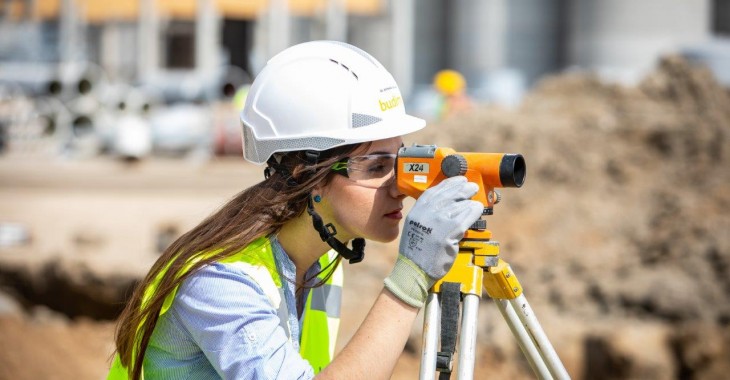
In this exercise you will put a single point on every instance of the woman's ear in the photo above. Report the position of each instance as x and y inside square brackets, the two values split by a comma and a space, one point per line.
[318, 193]
[322, 189]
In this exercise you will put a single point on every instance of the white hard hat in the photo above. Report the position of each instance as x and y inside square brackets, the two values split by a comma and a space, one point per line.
[319, 95]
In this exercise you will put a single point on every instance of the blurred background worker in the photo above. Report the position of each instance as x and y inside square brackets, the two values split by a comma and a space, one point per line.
[451, 87]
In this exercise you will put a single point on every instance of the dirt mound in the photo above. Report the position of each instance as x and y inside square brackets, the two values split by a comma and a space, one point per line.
[624, 215]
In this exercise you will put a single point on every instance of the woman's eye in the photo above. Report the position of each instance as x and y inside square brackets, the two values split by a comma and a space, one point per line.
[377, 168]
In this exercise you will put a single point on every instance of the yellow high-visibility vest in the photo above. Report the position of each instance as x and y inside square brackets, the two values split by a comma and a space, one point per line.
[321, 318]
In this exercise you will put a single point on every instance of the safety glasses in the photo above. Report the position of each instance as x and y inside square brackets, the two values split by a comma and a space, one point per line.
[372, 170]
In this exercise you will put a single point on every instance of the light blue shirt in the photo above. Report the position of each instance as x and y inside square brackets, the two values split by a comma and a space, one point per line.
[222, 325]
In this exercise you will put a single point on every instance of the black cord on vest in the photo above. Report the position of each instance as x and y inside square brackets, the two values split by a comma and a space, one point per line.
[327, 233]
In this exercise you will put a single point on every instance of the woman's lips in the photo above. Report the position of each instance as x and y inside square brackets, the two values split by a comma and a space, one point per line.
[395, 214]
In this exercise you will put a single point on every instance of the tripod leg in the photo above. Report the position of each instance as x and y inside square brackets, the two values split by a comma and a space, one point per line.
[431, 327]
[529, 320]
[527, 345]
[468, 337]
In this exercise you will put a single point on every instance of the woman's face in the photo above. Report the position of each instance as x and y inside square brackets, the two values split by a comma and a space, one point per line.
[362, 211]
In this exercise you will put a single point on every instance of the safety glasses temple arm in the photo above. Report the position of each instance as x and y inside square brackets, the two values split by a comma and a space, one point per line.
[338, 166]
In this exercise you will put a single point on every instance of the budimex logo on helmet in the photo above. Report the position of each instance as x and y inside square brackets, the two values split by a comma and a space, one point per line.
[389, 104]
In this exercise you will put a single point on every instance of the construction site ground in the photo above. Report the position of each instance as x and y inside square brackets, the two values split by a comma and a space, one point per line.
[619, 235]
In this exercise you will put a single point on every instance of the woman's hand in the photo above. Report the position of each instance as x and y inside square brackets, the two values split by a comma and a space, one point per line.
[430, 238]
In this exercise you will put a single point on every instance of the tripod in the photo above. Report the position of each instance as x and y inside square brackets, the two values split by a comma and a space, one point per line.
[478, 264]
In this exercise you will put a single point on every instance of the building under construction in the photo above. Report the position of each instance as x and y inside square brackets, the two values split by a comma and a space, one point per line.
[84, 61]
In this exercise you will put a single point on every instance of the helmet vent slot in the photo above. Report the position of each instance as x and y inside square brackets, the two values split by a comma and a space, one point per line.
[346, 68]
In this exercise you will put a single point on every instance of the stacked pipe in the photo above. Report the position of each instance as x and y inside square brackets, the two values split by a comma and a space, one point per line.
[32, 126]
[83, 82]
[54, 105]
[70, 109]
[130, 135]
[24, 128]
[85, 113]
[33, 79]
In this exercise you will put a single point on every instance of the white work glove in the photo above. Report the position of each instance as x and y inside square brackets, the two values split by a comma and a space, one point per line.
[430, 239]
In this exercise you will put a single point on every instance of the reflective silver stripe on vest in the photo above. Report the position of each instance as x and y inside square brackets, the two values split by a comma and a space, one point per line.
[327, 298]
[283, 314]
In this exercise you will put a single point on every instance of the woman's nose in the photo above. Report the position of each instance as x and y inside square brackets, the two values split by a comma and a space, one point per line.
[393, 190]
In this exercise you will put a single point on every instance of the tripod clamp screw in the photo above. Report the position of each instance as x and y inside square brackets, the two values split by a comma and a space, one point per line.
[495, 196]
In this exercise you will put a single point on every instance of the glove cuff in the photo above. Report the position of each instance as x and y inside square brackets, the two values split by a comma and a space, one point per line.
[408, 282]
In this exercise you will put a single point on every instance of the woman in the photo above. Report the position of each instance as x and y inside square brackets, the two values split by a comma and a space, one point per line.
[253, 291]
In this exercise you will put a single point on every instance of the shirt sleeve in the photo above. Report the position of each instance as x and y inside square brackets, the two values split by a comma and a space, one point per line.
[230, 318]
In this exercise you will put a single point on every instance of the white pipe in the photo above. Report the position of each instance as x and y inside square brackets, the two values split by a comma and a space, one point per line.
[33, 78]
[279, 24]
[67, 30]
[148, 41]
[336, 20]
[402, 26]
[207, 38]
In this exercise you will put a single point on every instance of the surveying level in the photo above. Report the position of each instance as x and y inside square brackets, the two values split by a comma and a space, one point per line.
[477, 267]
[420, 167]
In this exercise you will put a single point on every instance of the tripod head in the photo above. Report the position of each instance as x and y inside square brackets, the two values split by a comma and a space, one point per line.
[419, 167]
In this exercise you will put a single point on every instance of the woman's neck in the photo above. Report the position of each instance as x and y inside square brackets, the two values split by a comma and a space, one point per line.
[302, 243]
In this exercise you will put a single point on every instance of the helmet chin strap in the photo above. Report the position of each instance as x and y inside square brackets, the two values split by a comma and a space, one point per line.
[327, 232]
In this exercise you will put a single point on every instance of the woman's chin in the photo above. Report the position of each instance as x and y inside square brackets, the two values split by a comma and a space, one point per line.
[386, 236]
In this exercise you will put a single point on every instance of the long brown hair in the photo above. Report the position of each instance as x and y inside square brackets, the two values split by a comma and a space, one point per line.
[260, 210]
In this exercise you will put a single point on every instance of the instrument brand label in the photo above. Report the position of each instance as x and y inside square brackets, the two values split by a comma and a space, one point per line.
[415, 167]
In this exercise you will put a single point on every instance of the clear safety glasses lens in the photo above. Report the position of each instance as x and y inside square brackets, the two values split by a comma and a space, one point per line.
[373, 170]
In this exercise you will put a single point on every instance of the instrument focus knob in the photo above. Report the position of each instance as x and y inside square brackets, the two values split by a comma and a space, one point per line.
[454, 165]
